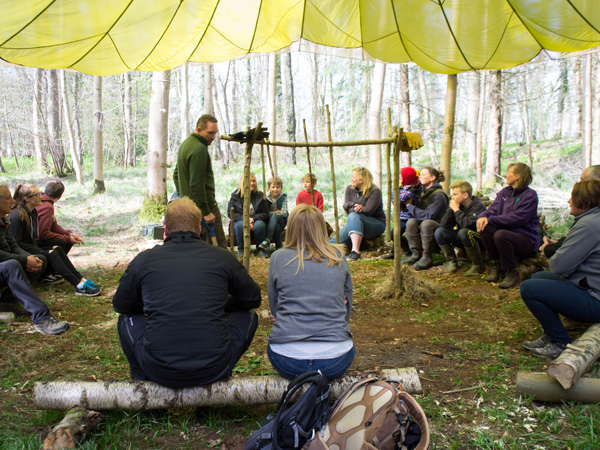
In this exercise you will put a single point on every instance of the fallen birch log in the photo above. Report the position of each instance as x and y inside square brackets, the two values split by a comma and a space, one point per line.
[546, 389]
[7, 316]
[577, 358]
[144, 395]
[68, 433]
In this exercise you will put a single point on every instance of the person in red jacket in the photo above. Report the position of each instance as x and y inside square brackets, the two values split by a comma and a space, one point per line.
[305, 196]
[50, 233]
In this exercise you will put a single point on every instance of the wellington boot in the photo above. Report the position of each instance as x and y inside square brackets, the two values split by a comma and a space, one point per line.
[424, 263]
[448, 252]
[414, 243]
[413, 258]
[477, 265]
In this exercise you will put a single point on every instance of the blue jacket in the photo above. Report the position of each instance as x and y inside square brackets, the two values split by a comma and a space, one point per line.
[516, 210]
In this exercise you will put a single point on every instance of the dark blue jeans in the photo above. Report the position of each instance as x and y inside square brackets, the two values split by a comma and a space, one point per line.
[463, 238]
[260, 229]
[274, 228]
[13, 276]
[367, 226]
[547, 295]
[290, 368]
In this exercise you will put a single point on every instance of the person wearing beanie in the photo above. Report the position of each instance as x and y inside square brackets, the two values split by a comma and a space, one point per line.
[410, 189]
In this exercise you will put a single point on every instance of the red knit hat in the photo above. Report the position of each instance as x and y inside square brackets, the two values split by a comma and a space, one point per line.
[409, 176]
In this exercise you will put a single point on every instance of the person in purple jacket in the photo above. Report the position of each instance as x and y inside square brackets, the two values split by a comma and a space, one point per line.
[509, 227]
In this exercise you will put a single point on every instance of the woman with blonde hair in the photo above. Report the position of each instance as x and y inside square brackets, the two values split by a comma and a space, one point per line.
[259, 214]
[364, 205]
[24, 228]
[310, 296]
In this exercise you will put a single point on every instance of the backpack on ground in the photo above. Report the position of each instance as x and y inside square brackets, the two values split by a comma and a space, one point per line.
[374, 414]
[294, 424]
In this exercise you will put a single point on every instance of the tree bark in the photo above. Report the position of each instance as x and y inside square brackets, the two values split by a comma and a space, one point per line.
[587, 111]
[99, 187]
[332, 173]
[156, 179]
[68, 433]
[54, 125]
[579, 94]
[272, 105]
[289, 111]
[128, 120]
[596, 113]
[472, 117]
[479, 152]
[492, 165]
[185, 103]
[68, 124]
[526, 119]
[145, 395]
[398, 282]
[404, 99]
[449, 130]
[37, 114]
[427, 111]
[577, 358]
[375, 120]
[546, 389]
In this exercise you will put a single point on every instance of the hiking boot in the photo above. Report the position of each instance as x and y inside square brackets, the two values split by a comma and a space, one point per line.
[538, 342]
[494, 275]
[353, 256]
[425, 262]
[389, 255]
[448, 252]
[265, 244]
[477, 265]
[551, 350]
[262, 253]
[240, 253]
[51, 326]
[511, 279]
[89, 289]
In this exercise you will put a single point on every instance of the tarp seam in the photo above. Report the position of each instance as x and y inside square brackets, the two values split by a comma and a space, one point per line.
[29, 23]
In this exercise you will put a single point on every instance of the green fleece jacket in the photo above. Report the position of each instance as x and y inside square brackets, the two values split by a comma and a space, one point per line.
[193, 176]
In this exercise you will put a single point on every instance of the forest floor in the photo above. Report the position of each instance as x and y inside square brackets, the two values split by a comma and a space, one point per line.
[464, 342]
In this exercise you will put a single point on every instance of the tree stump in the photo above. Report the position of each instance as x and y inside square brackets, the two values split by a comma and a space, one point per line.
[68, 433]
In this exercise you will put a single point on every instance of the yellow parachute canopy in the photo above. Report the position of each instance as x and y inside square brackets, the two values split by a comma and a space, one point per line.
[104, 37]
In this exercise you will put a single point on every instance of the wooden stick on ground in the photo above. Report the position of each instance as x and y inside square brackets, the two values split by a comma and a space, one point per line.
[546, 389]
[142, 395]
[577, 358]
[68, 433]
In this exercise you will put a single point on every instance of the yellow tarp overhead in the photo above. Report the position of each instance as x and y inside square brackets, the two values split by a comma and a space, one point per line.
[104, 37]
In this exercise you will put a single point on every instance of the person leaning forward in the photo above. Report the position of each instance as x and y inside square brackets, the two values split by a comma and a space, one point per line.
[185, 306]
[194, 178]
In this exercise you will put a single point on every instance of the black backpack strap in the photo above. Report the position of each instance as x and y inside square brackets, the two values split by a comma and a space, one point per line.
[314, 378]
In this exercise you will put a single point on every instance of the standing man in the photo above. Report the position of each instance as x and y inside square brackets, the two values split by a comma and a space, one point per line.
[14, 262]
[185, 306]
[194, 178]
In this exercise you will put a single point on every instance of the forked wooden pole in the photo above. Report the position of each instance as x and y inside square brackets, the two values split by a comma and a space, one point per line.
[262, 162]
[246, 194]
[312, 191]
[388, 220]
[398, 285]
[332, 168]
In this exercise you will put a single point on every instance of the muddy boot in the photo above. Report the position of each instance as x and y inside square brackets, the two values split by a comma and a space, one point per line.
[405, 246]
[477, 265]
[426, 260]
[511, 279]
[494, 275]
[448, 252]
[414, 243]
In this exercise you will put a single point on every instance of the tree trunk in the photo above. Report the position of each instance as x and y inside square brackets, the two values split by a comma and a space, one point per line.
[526, 119]
[427, 111]
[596, 114]
[37, 114]
[577, 358]
[272, 107]
[492, 166]
[449, 130]
[404, 99]
[128, 120]
[545, 389]
[54, 125]
[479, 154]
[99, 187]
[185, 103]
[398, 279]
[563, 92]
[375, 120]
[76, 115]
[158, 128]
[472, 117]
[68, 124]
[315, 95]
[289, 111]
[145, 395]
[587, 111]
[579, 94]
[68, 433]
